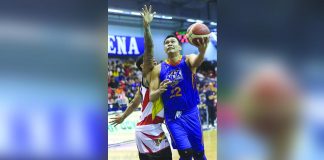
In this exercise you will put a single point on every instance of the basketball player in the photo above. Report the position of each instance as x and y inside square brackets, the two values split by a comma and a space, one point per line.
[151, 141]
[180, 97]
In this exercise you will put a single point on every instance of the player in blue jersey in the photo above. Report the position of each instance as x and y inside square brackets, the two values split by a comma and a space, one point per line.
[174, 81]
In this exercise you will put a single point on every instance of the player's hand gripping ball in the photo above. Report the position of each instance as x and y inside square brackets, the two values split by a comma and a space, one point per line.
[197, 32]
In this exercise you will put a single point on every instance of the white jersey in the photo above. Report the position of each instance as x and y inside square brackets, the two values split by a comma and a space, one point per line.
[150, 137]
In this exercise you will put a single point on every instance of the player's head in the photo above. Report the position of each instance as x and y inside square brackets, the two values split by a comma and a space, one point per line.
[139, 63]
[172, 45]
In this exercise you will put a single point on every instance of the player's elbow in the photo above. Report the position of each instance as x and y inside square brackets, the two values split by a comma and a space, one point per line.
[152, 98]
[147, 70]
[144, 73]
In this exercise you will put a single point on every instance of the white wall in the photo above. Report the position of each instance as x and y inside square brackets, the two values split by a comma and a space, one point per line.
[158, 38]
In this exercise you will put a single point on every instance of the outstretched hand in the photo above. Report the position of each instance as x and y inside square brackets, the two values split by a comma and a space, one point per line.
[147, 15]
[116, 120]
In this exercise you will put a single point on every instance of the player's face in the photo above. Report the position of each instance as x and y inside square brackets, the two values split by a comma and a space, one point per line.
[171, 45]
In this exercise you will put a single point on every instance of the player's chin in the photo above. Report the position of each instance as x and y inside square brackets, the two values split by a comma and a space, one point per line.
[171, 52]
[168, 52]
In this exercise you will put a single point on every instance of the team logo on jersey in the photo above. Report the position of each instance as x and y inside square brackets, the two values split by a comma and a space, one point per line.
[175, 76]
[158, 141]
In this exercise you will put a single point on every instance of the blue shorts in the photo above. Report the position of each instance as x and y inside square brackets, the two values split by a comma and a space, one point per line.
[185, 131]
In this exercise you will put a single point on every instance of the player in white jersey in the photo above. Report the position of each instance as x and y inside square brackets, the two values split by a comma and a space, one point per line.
[151, 141]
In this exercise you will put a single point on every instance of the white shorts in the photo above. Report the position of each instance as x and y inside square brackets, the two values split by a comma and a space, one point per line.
[150, 138]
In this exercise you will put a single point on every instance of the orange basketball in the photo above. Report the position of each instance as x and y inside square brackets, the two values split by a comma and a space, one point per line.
[197, 31]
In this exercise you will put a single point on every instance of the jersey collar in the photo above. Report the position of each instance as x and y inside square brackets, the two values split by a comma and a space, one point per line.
[173, 64]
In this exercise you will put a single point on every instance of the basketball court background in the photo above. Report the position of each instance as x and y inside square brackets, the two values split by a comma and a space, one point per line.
[126, 44]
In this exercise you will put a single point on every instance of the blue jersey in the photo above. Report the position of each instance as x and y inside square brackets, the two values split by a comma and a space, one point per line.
[181, 94]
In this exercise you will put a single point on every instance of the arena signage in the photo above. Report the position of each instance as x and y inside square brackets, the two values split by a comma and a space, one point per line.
[125, 45]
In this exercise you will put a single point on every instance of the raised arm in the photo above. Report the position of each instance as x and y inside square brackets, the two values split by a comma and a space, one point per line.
[148, 51]
[132, 106]
[196, 60]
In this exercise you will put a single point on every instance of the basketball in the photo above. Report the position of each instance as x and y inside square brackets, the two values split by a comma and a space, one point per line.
[197, 31]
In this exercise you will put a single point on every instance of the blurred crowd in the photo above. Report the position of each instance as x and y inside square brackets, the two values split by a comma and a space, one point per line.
[207, 88]
[124, 78]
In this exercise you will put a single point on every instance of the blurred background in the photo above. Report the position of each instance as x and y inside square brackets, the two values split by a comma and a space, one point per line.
[52, 79]
[173, 17]
[270, 79]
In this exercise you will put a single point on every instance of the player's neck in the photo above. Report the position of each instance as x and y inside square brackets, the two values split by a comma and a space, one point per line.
[175, 58]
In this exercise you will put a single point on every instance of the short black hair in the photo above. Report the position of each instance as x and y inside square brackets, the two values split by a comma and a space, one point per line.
[171, 35]
[139, 62]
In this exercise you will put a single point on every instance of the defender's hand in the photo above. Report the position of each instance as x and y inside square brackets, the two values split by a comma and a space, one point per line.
[147, 15]
[163, 85]
[116, 120]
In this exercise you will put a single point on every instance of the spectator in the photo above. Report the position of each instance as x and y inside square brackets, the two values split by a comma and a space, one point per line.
[109, 73]
[127, 70]
[110, 92]
[113, 84]
[115, 73]
[130, 95]
[122, 102]
[120, 91]
[210, 98]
